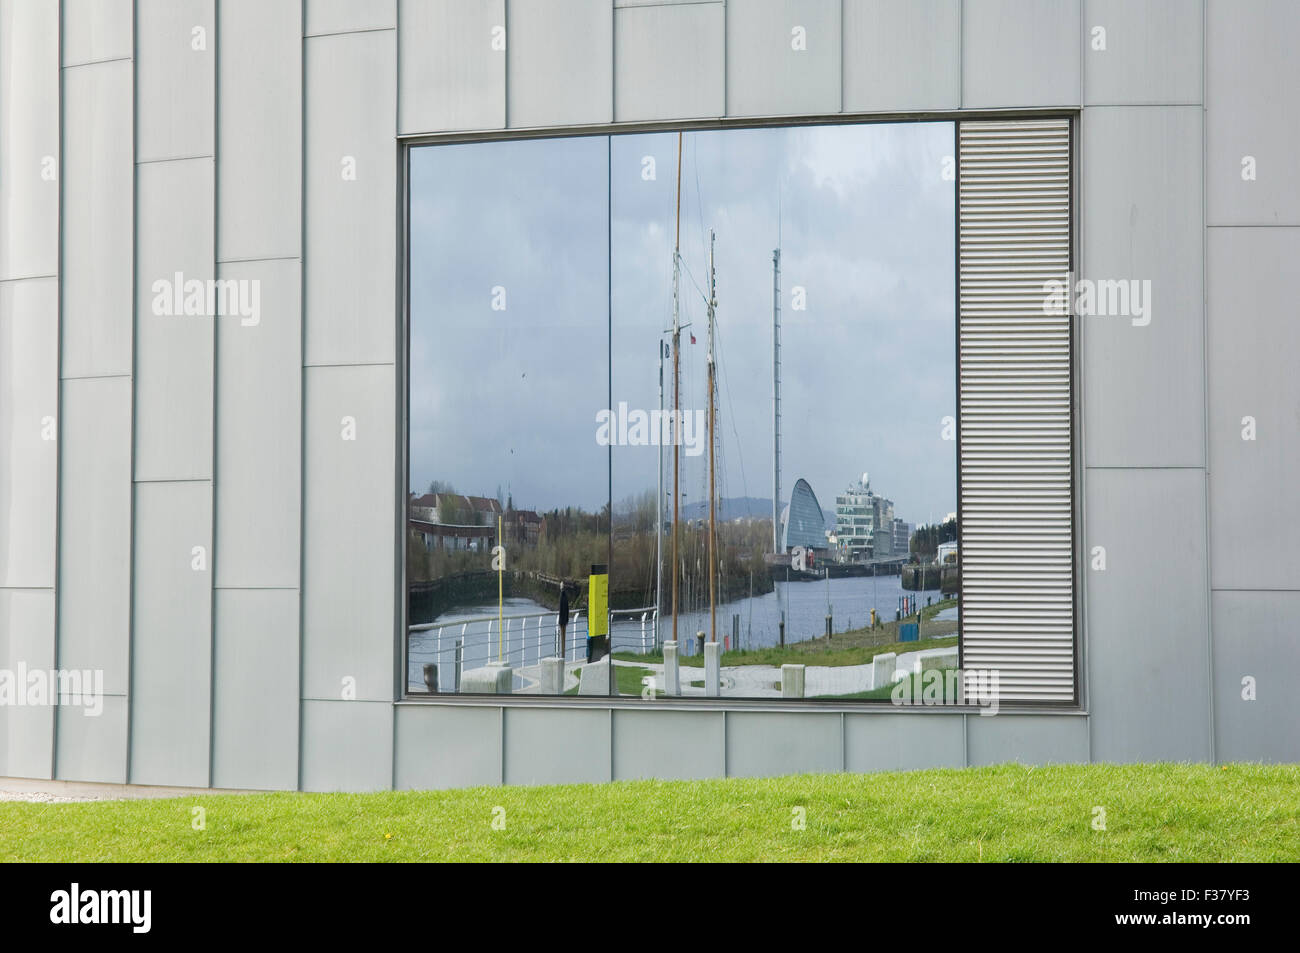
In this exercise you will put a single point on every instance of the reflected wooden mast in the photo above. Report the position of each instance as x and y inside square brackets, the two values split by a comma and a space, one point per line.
[677, 364]
[713, 529]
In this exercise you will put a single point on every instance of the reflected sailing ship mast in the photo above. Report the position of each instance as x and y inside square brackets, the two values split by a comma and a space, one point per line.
[677, 365]
[713, 529]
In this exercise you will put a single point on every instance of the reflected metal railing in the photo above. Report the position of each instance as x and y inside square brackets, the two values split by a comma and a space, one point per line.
[520, 640]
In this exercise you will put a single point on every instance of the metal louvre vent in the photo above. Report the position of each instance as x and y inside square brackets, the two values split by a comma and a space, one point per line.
[1016, 527]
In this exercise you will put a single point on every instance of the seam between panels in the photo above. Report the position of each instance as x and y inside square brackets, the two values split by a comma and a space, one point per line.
[58, 389]
[135, 293]
[216, 364]
[1205, 399]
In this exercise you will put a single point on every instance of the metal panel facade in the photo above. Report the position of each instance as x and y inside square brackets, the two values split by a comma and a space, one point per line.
[96, 287]
[29, 400]
[259, 130]
[452, 65]
[171, 645]
[668, 62]
[350, 171]
[902, 55]
[29, 367]
[1145, 161]
[559, 63]
[1020, 53]
[369, 72]
[783, 57]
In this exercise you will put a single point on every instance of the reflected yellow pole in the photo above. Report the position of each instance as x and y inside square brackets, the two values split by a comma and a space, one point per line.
[501, 568]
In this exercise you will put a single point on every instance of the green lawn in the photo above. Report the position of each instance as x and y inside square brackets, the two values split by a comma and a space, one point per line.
[1005, 813]
[854, 647]
[628, 680]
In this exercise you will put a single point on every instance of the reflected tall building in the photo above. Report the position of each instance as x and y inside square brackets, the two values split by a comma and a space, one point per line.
[865, 526]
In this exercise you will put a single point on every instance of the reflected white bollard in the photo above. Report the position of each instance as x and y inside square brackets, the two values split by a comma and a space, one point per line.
[494, 678]
[713, 669]
[552, 681]
[595, 678]
[882, 670]
[672, 675]
[792, 681]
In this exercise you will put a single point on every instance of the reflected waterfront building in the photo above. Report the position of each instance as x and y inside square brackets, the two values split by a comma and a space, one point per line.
[855, 520]
[865, 525]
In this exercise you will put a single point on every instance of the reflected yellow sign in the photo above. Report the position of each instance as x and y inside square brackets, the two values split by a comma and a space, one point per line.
[598, 602]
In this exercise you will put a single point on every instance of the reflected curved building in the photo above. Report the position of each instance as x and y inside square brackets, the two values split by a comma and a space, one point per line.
[802, 521]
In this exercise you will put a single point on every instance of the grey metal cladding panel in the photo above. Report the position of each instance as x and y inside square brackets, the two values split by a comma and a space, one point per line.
[95, 528]
[96, 30]
[452, 74]
[175, 62]
[1148, 631]
[560, 62]
[1152, 52]
[347, 746]
[668, 62]
[669, 744]
[783, 57]
[765, 744]
[255, 684]
[342, 16]
[1027, 739]
[92, 748]
[259, 124]
[29, 392]
[1252, 73]
[27, 641]
[258, 488]
[903, 742]
[351, 244]
[26, 630]
[29, 139]
[1020, 53]
[348, 533]
[26, 739]
[171, 651]
[1255, 637]
[443, 747]
[1253, 340]
[1143, 383]
[557, 745]
[902, 54]
[174, 349]
[97, 211]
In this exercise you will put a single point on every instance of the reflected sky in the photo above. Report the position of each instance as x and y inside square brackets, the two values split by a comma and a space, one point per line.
[508, 397]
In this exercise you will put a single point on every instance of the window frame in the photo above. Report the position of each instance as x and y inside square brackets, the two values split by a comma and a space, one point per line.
[405, 144]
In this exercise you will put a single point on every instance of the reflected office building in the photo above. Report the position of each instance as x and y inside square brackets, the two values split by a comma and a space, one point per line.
[865, 525]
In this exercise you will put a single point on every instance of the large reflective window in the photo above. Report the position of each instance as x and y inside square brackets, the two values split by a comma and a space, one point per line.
[790, 291]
